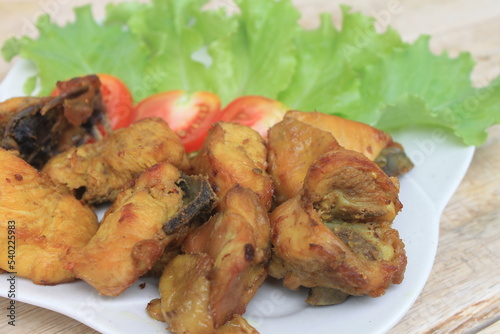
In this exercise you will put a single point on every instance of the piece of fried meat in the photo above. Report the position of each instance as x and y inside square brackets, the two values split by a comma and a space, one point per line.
[337, 232]
[45, 221]
[96, 172]
[222, 268]
[146, 216]
[234, 154]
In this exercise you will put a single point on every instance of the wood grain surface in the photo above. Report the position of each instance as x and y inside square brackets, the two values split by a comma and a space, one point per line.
[462, 294]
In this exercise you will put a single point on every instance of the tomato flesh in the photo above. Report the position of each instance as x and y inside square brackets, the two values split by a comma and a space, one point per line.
[190, 115]
[257, 112]
[118, 101]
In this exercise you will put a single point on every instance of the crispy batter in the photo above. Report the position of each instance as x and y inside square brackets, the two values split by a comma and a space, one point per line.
[97, 171]
[131, 238]
[292, 147]
[48, 222]
[234, 154]
[223, 267]
[351, 135]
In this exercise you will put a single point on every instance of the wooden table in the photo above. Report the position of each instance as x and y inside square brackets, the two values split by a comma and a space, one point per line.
[463, 291]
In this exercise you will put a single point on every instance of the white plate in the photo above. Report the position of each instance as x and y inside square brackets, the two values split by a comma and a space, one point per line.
[441, 162]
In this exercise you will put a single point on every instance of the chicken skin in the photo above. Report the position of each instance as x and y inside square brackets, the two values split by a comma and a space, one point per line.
[234, 154]
[337, 232]
[293, 146]
[97, 171]
[47, 222]
[351, 135]
[131, 237]
[296, 142]
[222, 269]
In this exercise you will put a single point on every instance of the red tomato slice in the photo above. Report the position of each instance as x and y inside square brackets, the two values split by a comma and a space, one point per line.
[117, 100]
[188, 114]
[257, 112]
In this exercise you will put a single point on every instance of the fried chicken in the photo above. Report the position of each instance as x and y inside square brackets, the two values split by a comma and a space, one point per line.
[293, 146]
[351, 135]
[132, 237]
[234, 154]
[344, 184]
[337, 232]
[237, 325]
[222, 269]
[97, 171]
[48, 222]
[185, 294]
[296, 142]
[41, 127]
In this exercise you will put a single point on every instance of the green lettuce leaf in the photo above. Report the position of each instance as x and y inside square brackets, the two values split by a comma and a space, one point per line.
[259, 57]
[80, 48]
[414, 86]
[323, 80]
[353, 71]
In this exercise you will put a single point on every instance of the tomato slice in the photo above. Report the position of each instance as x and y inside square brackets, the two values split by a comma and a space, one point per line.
[257, 112]
[188, 114]
[117, 100]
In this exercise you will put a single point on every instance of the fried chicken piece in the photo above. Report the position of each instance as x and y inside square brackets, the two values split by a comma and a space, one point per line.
[48, 222]
[293, 146]
[186, 279]
[238, 239]
[344, 184]
[97, 171]
[223, 267]
[39, 128]
[337, 233]
[352, 135]
[373, 143]
[185, 294]
[296, 142]
[356, 258]
[234, 154]
[132, 237]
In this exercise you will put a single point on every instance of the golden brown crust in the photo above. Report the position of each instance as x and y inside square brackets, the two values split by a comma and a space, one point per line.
[237, 325]
[351, 135]
[346, 185]
[292, 147]
[102, 168]
[308, 253]
[222, 269]
[238, 240]
[130, 238]
[48, 222]
[185, 294]
[234, 154]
